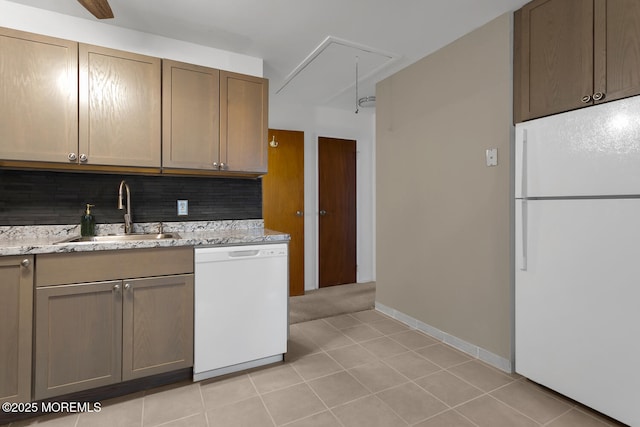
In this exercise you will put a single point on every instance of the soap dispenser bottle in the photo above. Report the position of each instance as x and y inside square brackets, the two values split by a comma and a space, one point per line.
[88, 222]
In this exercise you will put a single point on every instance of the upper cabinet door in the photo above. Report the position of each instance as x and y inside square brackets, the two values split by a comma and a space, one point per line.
[243, 122]
[617, 48]
[190, 116]
[39, 93]
[553, 67]
[119, 108]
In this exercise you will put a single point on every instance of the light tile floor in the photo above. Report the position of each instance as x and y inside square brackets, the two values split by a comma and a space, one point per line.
[360, 369]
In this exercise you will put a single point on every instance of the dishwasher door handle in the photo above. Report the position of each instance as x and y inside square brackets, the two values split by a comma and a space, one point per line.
[244, 254]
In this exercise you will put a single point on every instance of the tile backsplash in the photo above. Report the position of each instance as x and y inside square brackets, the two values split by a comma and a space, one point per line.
[48, 198]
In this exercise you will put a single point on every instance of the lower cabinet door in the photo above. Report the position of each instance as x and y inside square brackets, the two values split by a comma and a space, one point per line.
[16, 313]
[157, 325]
[78, 343]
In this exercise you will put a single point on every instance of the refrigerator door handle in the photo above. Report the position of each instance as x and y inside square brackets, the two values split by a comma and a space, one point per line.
[523, 165]
[523, 239]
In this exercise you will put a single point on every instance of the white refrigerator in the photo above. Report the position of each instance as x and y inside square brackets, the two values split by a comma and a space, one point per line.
[577, 243]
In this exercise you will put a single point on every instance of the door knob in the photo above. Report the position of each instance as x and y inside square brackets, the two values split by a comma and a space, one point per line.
[323, 212]
[299, 213]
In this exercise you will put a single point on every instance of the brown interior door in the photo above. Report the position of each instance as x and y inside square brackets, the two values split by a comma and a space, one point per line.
[337, 202]
[283, 198]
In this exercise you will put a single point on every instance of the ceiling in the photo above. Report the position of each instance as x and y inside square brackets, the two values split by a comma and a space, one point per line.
[310, 48]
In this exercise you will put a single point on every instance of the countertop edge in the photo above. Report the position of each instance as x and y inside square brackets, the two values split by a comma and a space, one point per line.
[199, 237]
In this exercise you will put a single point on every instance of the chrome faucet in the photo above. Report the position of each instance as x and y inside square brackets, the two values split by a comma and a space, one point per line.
[128, 224]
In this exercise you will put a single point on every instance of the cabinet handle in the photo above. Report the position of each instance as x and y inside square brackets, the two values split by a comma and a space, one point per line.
[25, 262]
[586, 99]
[83, 158]
[116, 288]
[127, 286]
[598, 96]
[72, 157]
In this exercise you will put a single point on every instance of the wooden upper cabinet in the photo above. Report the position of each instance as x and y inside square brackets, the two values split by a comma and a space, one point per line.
[570, 54]
[120, 115]
[243, 122]
[617, 48]
[39, 93]
[554, 57]
[16, 306]
[190, 116]
[75, 105]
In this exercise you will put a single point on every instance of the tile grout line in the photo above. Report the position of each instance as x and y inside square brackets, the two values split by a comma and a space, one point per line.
[144, 399]
[442, 369]
[515, 409]
[204, 407]
[559, 416]
[371, 393]
[264, 405]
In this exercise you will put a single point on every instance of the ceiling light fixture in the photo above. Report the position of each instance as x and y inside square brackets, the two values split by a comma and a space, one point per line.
[365, 102]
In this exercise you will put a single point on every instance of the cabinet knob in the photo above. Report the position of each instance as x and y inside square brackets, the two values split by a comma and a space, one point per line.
[216, 165]
[25, 262]
[116, 288]
[222, 165]
[127, 286]
[83, 158]
[586, 99]
[323, 212]
[299, 213]
[72, 157]
[598, 96]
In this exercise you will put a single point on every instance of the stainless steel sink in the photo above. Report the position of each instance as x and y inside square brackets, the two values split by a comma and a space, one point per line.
[120, 238]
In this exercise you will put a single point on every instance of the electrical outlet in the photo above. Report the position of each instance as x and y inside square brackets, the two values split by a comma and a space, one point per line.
[183, 207]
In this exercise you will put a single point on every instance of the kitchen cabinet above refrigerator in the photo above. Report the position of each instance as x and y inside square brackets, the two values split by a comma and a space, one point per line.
[570, 54]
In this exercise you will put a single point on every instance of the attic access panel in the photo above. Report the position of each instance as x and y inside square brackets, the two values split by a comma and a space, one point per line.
[329, 71]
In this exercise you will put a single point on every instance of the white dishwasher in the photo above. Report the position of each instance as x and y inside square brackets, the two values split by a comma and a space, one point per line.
[241, 308]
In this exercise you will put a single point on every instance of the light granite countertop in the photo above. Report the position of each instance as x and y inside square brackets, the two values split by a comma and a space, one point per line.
[42, 239]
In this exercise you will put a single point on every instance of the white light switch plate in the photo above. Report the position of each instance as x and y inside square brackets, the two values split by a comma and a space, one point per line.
[183, 207]
[492, 156]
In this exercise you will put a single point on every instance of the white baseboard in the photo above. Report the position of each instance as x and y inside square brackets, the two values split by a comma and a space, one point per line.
[462, 345]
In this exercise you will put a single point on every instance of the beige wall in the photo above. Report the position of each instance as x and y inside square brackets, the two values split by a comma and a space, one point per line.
[443, 217]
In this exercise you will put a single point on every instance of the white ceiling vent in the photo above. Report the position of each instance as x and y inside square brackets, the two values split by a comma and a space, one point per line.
[329, 71]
